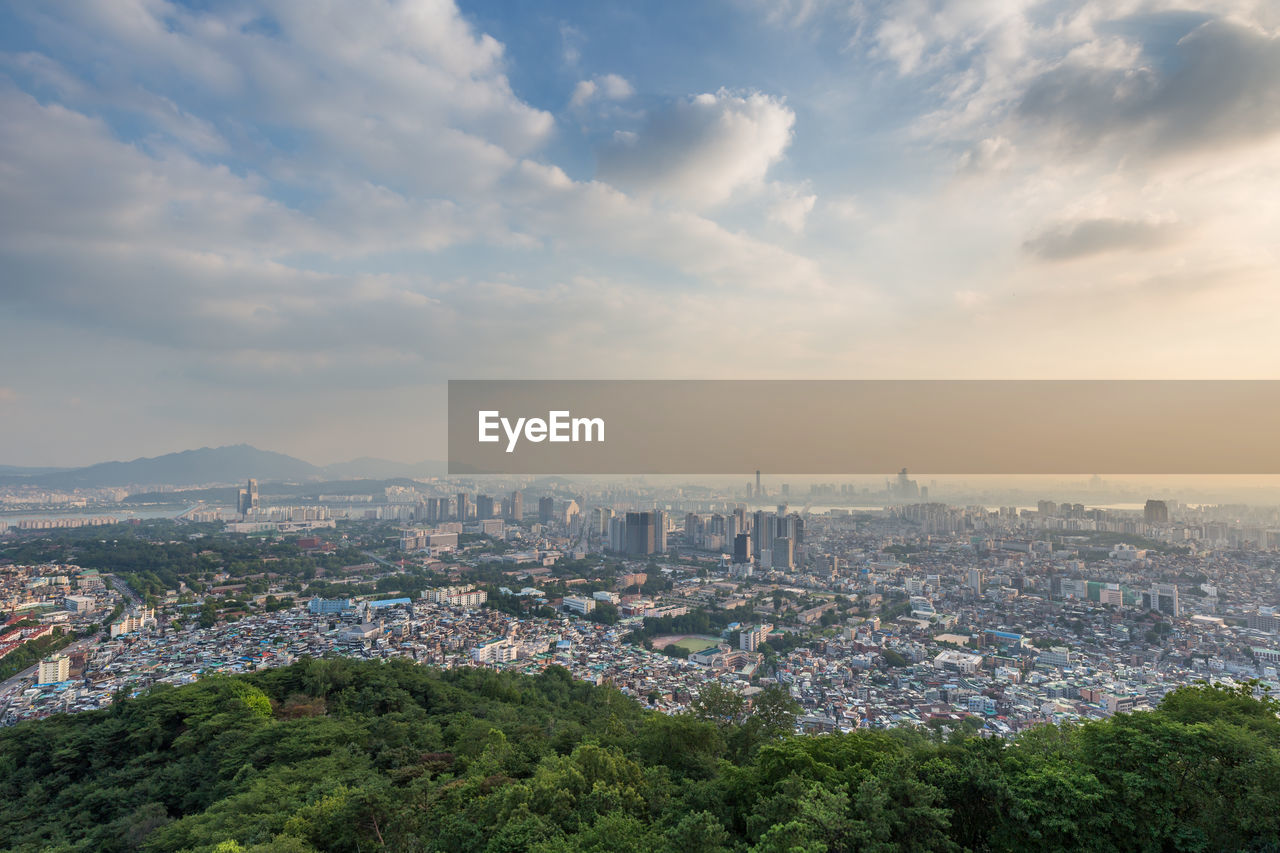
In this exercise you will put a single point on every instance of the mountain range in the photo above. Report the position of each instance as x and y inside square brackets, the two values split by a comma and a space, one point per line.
[212, 465]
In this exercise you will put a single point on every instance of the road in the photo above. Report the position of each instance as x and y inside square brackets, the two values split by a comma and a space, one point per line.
[16, 683]
[118, 584]
[378, 559]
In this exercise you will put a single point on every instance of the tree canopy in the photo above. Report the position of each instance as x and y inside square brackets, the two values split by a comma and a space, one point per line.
[341, 755]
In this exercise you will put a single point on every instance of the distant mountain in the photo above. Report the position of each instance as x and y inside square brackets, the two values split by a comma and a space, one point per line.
[27, 471]
[233, 464]
[369, 468]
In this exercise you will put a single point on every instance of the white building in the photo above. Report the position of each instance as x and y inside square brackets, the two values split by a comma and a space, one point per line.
[54, 670]
[581, 606]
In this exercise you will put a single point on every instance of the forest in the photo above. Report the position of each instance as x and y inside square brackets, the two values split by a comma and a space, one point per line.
[334, 754]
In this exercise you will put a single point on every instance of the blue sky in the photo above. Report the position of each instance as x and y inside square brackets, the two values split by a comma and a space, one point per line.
[290, 222]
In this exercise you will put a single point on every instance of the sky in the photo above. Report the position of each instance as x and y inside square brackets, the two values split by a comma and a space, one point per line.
[289, 222]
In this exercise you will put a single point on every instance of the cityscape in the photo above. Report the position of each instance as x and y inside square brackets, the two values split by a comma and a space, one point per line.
[587, 426]
[914, 613]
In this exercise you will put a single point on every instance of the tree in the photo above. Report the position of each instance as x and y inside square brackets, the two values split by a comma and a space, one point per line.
[718, 704]
[776, 711]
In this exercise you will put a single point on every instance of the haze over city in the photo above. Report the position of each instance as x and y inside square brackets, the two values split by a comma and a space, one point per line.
[252, 223]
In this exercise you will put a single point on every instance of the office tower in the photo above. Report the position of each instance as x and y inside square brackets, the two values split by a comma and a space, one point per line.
[758, 492]
[600, 517]
[784, 555]
[693, 530]
[546, 510]
[617, 534]
[732, 527]
[763, 531]
[484, 507]
[641, 533]
[1155, 512]
[660, 532]
[248, 498]
[516, 511]
[742, 548]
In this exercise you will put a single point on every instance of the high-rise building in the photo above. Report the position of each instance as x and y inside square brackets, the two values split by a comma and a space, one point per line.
[600, 517]
[763, 531]
[1162, 598]
[55, 669]
[434, 513]
[546, 509]
[248, 500]
[693, 530]
[641, 533]
[617, 535]
[1155, 512]
[462, 507]
[784, 555]
[484, 507]
[976, 581]
[516, 507]
[758, 492]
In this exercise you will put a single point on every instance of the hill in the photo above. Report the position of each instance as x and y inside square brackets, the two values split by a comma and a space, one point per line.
[348, 756]
[233, 464]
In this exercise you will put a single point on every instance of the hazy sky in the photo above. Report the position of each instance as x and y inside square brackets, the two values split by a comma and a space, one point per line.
[287, 223]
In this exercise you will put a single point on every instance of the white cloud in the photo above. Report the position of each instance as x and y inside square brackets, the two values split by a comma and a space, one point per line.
[582, 93]
[791, 208]
[700, 150]
[607, 87]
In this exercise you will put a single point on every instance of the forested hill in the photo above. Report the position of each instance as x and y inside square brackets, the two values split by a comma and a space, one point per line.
[340, 755]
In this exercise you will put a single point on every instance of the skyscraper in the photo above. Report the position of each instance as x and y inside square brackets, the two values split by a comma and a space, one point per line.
[763, 531]
[546, 509]
[641, 533]
[1155, 512]
[484, 507]
[517, 507]
[248, 500]
[463, 506]
[784, 555]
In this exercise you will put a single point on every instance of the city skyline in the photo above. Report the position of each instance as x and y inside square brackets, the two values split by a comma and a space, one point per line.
[252, 215]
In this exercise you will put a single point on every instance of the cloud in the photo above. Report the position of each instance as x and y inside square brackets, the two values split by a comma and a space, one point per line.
[1097, 236]
[791, 208]
[1221, 87]
[609, 87]
[992, 154]
[700, 150]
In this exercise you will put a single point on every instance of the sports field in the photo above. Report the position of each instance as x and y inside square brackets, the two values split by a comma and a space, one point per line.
[697, 644]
